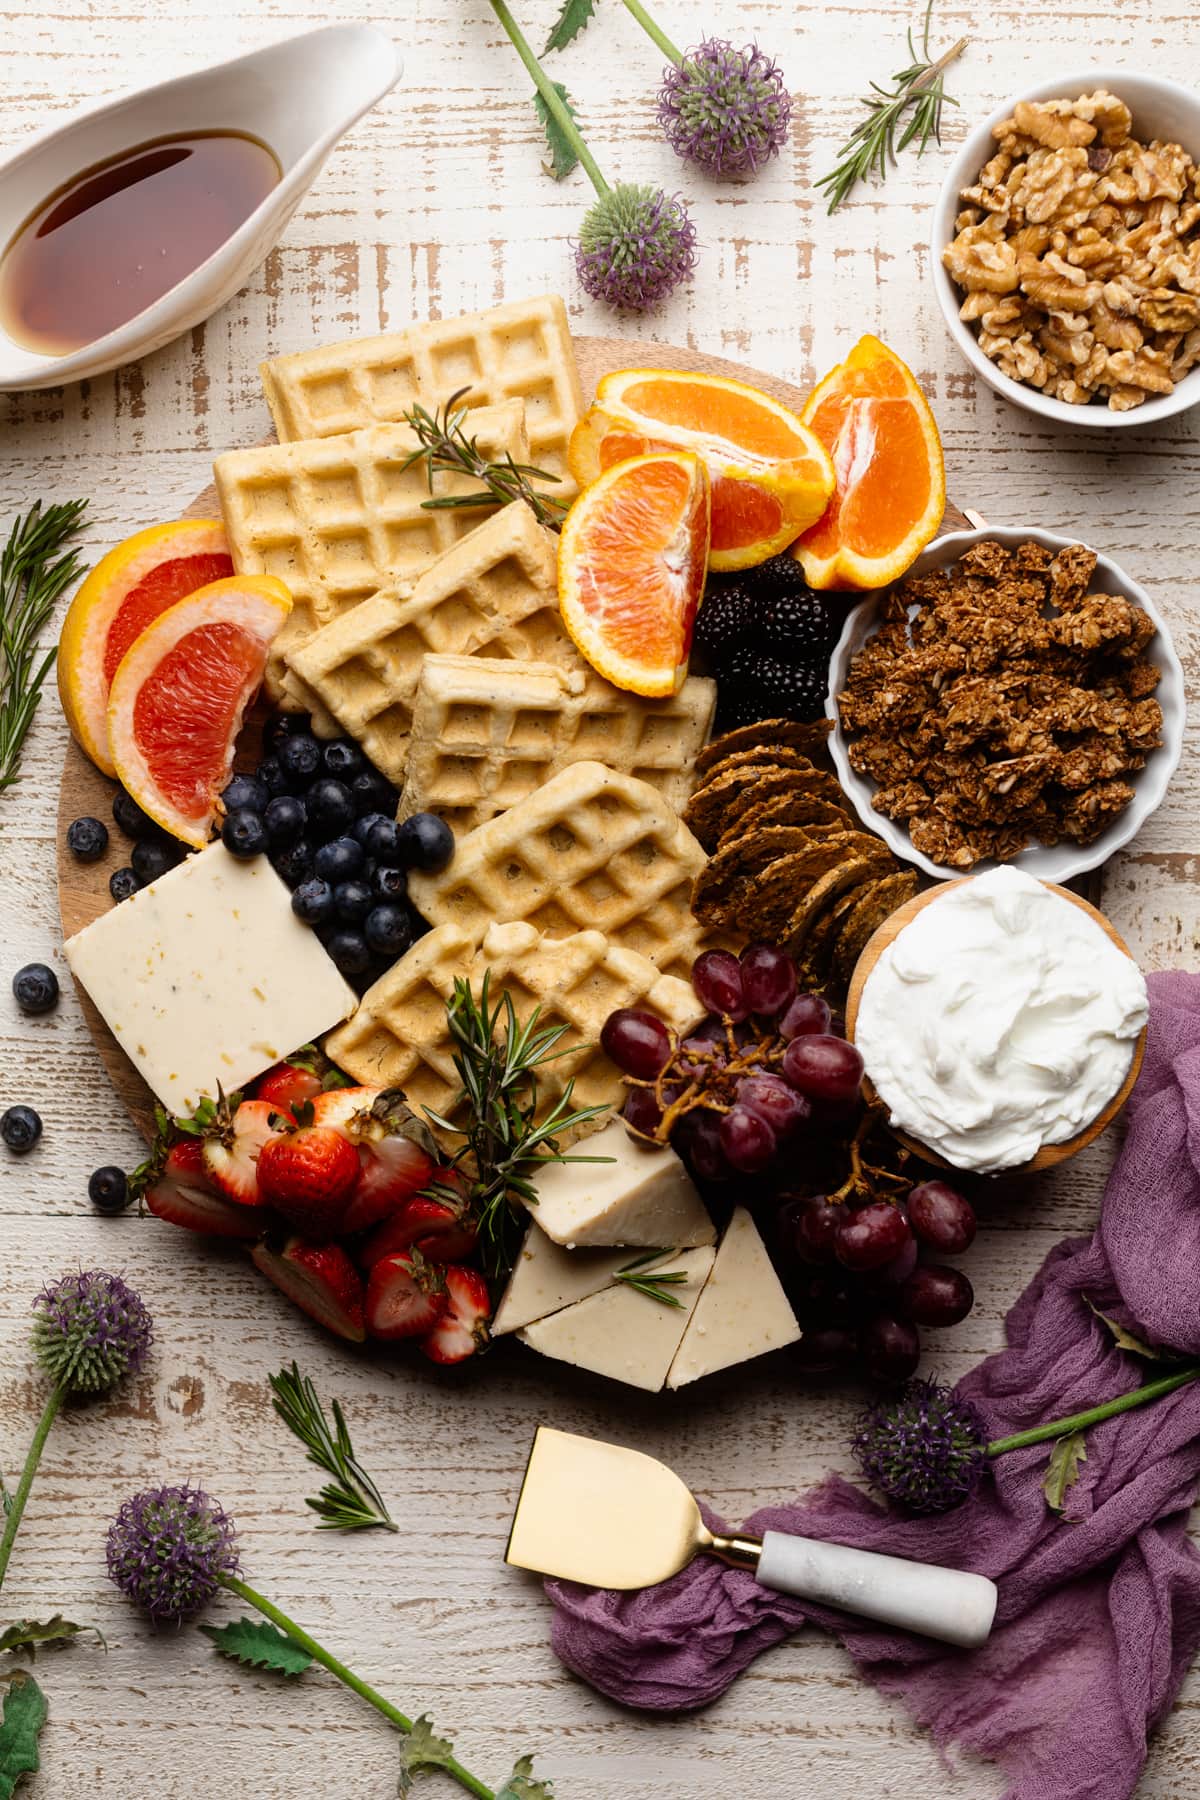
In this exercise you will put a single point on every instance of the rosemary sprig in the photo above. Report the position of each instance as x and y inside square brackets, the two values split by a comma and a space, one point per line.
[652, 1282]
[30, 583]
[445, 446]
[919, 90]
[351, 1501]
[504, 1141]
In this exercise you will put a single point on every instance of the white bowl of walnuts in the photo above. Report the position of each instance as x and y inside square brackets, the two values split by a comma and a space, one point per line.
[1066, 249]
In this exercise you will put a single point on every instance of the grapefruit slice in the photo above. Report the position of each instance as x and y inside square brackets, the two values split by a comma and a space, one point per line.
[179, 694]
[771, 477]
[126, 590]
[874, 420]
[631, 563]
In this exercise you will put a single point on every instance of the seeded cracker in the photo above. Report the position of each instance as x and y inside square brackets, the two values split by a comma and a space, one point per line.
[811, 738]
[776, 756]
[878, 904]
[719, 887]
[848, 874]
[796, 807]
[816, 956]
[771, 900]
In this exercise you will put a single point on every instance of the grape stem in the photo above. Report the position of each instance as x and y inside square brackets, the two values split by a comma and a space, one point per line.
[860, 1169]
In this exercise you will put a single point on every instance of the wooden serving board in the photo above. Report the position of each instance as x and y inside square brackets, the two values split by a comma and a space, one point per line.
[83, 887]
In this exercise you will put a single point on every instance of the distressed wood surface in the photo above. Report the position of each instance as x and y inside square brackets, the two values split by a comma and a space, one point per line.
[435, 203]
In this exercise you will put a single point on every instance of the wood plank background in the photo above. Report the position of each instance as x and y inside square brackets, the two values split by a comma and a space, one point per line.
[435, 204]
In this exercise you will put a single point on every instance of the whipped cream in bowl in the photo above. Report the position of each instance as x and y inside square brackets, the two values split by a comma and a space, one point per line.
[1000, 1022]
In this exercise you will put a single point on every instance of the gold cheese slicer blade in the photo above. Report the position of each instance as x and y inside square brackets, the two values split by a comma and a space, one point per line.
[610, 1517]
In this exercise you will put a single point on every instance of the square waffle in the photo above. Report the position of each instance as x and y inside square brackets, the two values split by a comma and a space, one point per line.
[338, 518]
[486, 734]
[519, 351]
[495, 591]
[399, 1036]
[590, 850]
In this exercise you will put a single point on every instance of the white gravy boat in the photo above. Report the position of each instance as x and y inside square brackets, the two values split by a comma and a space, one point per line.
[299, 97]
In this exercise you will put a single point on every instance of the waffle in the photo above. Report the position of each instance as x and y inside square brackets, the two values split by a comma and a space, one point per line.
[519, 351]
[486, 734]
[399, 1036]
[590, 850]
[339, 518]
[496, 591]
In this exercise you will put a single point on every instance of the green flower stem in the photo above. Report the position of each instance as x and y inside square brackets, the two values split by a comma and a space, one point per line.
[550, 95]
[13, 1522]
[1040, 1434]
[652, 30]
[355, 1682]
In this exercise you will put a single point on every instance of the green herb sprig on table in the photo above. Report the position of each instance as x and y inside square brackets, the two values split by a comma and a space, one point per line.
[32, 577]
[919, 91]
[351, 1501]
[446, 448]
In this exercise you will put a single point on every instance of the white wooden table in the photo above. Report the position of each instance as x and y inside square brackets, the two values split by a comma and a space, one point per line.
[435, 204]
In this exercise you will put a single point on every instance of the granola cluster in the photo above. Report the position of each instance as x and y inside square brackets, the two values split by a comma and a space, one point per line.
[1008, 708]
[1078, 252]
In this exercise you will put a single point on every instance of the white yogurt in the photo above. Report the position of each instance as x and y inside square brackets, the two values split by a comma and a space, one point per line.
[1000, 1019]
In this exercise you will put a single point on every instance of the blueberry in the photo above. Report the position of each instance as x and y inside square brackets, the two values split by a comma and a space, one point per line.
[272, 776]
[285, 818]
[244, 834]
[349, 951]
[35, 988]
[426, 843]
[131, 819]
[280, 726]
[383, 843]
[312, 902]
[373, 792]
[293, 863]
[108, 1190]
[362, 827]
[123, 884]
[331, 808]
[342, 759]
[245, 793]
[389, 884]
[387, 930]
[300, 759]
[341, 859]
[20, 1127]
[87, 838]
[353, 900]
[152, 860]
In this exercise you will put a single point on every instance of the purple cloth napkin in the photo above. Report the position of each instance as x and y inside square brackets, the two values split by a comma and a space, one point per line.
[1099, 1613]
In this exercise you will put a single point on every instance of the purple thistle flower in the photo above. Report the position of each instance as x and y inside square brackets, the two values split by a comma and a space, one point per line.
[89, 1330]
[727, 110]
[168, 1549]
[926, 1449]
[635, 246]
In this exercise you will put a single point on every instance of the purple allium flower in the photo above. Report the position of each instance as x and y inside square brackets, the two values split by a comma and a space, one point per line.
[926, 1450]
[727, 110]
[168, 1549]
[635, 246]
[89, 1330]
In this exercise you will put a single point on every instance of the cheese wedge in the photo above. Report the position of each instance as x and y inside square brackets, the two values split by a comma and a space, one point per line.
[621, 1333]
[743, 1311]
[641, 1196]
[546, 1277]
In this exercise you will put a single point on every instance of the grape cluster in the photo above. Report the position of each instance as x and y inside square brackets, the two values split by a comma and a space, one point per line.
[768, 1092]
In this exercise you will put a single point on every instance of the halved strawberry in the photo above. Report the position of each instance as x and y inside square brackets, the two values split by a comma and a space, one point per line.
[462, 1330]
[182, 1193]
[290, 1083]
[397, 1150]
[308, 1172]
[439, 1230]
[406, 1296]
[321, 1279]
[232, 1144]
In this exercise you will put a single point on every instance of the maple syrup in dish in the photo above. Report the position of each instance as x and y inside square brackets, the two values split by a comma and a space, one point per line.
[116, 238]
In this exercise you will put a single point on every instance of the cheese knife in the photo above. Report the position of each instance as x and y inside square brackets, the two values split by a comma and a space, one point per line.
[610, 1517]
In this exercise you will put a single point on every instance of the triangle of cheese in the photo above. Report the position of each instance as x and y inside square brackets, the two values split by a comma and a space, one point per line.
[640, 1195]
[742, 1313]
[621, 1333]
[546, 1277]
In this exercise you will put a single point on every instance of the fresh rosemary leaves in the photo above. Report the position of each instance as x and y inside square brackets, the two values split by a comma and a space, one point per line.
[351, 1501]
[445, 446]
[919, 91]
[31, 580]
[654, 1283]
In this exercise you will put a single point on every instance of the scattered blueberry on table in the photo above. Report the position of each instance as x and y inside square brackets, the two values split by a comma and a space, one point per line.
[20, 1128]
[35, 989]
[108, 1189]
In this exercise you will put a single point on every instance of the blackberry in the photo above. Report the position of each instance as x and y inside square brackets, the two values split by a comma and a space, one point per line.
[725, 619]
[798, 626]
[778, 576]
[792, 690]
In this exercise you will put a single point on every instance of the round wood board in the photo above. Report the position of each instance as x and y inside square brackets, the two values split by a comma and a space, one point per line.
[83, 887]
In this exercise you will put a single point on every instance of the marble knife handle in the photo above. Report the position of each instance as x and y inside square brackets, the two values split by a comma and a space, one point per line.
[949, 1604]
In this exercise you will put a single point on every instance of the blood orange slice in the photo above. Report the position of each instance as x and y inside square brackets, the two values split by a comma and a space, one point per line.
[631, 563]
[124, 593]
[179, 694]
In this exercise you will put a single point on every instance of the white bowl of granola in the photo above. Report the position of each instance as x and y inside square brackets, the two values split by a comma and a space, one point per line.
[1029, 706]
[1066, 249]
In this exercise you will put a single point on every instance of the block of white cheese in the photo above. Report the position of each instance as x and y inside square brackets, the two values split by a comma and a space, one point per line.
[208, 976]
[546, 1277]
[641, 1195]
[742, 1313]
[623, 1334]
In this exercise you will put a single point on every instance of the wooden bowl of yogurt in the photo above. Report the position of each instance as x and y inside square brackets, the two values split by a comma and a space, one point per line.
[1001, 1021]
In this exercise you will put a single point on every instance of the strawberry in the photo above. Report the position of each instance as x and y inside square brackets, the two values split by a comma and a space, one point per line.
[462, 1330]
[406, 1295]
[291, 1083]
[396, 1150]
[321, 1279]
[179, 1190]
[232, 1142]
[439, 1230]
[308, 1172]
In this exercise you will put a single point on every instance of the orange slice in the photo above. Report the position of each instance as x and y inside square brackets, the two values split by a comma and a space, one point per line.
[631, 563]
[125, 591]
[180, 692]
[771, 477]
[891, 480]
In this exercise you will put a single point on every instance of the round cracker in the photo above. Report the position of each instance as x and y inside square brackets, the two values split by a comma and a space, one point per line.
[876, 905]
[811, 737]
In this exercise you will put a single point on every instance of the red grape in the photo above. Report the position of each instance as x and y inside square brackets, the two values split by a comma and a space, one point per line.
[637, 1042]
[699, 1142]
[768, 978]
[935, 1294]
[941, 1218]
[807, 1013]
[770, 1099]
[823, 1067]
[717, 979]
[642, 1112]
[900, 1267]
[825, 1348]
[872, 1236]
[748, 1143]
[890, 1348]
[814, 1231]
